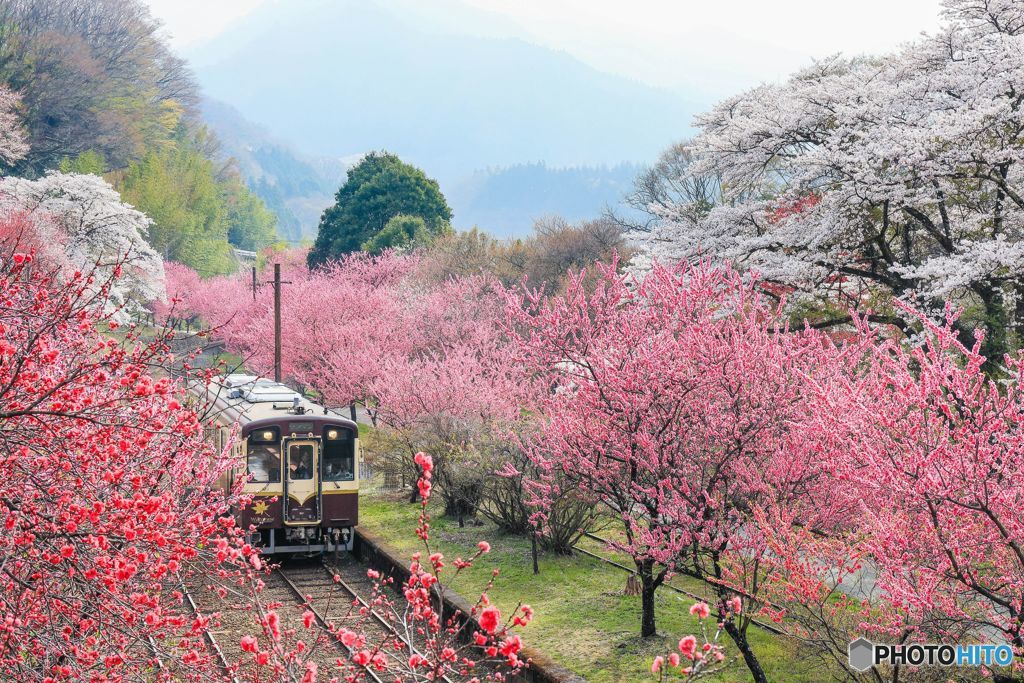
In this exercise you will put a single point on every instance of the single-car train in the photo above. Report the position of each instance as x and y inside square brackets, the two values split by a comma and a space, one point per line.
[300, 462]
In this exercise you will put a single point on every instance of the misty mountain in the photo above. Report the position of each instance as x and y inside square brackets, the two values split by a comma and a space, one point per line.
[502, 200]
[505, 201]
[338, 77]
[294, 187]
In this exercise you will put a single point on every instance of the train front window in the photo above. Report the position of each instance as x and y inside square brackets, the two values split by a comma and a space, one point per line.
[300, 462]
[263, 463]
[339, 455]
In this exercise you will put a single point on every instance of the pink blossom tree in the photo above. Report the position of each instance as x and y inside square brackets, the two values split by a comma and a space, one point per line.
[457, 389]
[99, 529]
[340, 323]
[679, 401]
[936, 448]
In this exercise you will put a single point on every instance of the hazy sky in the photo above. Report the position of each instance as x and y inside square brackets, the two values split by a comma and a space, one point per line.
[661, 42]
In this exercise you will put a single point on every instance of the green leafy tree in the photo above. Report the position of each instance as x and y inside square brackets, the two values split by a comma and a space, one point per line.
[251, 225]
[89, 162]
[177, 188]
[402, 232]
[378, 188]
[92, 76]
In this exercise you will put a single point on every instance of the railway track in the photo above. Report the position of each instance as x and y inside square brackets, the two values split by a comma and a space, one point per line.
[605, 560]
[334, 592]
[313, 587]
[351, 577]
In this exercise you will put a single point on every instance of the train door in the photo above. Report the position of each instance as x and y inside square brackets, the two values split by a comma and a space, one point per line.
[302, 484]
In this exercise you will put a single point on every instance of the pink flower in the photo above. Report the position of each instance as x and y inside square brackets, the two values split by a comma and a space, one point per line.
[249, 644]
[656, 664]
[526, 618]
[701, 609]
[274, 625]
[735, 604]
[484, 546]
[511, 646]
[489, 619]
[307, 618]
[687, 645]
[424, 461]
[673, 659]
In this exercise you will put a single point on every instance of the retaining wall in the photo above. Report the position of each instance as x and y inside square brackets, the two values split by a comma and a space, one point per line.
[375, 552]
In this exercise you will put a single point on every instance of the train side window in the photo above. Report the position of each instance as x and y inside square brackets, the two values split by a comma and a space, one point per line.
[263, 463]
[339, 456]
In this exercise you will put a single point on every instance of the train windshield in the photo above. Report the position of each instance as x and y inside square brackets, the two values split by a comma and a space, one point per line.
[339, 456]
[263, 463]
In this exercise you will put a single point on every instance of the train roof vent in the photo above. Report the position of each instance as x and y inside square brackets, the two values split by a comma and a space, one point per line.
[269, 392]
[238, 380]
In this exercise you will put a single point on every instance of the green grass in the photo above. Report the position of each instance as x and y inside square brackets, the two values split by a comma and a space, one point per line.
[583, 621]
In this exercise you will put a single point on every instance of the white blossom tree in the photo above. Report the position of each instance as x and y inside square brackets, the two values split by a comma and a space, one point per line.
[97, 229]
[860, 180]
[12, 135]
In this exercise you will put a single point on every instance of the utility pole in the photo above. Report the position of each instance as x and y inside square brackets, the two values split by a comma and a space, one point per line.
[277, 282]
[277, 321]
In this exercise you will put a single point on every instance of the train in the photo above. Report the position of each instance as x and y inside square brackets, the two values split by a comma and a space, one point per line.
[301, 462]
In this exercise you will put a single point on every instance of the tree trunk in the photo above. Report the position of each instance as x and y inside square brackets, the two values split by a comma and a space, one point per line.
[997, 336]
[647, 624]
[648, 585]
[533, 551]
[739, 636]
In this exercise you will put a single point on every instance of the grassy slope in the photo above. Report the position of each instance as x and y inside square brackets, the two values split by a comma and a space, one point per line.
[583, 620]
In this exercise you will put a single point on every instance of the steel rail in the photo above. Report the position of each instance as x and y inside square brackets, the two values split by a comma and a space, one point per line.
[336, 576]
[209, 637]
[322, 621]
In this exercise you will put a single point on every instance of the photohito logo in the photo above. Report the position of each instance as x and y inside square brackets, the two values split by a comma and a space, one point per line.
[864, 654]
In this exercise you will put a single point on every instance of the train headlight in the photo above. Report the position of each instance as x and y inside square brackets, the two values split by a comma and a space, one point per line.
[268, 436]
[332, 433]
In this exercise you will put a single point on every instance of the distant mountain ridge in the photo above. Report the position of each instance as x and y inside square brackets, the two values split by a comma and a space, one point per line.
[502, 200]
[337, 78]
[505, 201]
[297, 189]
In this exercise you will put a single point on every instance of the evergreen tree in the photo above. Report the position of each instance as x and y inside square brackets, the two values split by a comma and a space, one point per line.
[378, 188]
